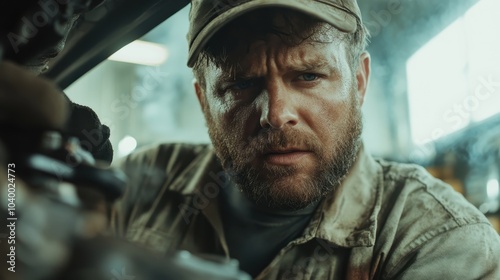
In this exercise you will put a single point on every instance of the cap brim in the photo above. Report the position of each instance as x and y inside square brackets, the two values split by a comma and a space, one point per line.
[336, 16]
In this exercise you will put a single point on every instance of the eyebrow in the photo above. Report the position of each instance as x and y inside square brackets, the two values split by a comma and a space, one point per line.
[307, 66]
[236, 75]
[303, 66]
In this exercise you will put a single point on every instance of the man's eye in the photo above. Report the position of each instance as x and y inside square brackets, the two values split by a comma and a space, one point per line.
[243, 85]
[308, 77]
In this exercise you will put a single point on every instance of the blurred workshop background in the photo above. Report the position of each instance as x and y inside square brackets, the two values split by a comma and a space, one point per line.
[434, 96]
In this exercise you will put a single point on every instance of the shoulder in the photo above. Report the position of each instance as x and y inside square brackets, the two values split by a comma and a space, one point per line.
[419, 193]
[424, 219]
[154, 174]
[153, 168]
[166, 158]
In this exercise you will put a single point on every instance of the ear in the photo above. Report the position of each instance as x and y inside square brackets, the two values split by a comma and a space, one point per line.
[363, 75]
[200, 93]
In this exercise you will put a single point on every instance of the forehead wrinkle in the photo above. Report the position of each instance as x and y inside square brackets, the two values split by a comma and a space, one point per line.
[304, 58]
[272, 56]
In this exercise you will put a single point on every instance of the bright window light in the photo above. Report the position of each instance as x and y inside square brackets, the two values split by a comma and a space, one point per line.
[436, 82]
[454, 79]
[482, 21]
[141, 52]
[492, 189]
[126, 146]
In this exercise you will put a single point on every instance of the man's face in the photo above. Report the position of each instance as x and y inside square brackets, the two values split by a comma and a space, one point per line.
[286, 123]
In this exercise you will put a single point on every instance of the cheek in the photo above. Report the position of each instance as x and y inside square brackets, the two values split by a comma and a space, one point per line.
[243, 122]
[327, 113]
[227, 115]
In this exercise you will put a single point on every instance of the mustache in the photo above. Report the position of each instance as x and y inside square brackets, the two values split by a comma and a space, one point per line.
[274, 139]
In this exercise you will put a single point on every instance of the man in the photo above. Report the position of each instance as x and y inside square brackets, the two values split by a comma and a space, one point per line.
[287, 188]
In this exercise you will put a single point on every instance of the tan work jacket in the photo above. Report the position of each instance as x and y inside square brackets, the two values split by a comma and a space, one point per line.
[386, 221]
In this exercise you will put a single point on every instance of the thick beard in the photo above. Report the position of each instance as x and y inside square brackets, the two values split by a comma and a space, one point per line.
[275, 187]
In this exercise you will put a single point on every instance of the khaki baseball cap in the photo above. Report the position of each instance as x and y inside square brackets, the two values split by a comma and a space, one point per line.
[208, 16]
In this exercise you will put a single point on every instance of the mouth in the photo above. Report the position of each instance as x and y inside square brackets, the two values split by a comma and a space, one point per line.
[289, 156]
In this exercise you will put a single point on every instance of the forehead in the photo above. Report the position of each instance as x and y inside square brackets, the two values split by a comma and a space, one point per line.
[294, 34]
[265, 56]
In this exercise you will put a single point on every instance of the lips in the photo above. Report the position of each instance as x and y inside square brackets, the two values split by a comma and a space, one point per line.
[288, 156]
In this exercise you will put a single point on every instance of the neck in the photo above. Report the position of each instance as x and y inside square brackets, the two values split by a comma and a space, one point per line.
[237, 200]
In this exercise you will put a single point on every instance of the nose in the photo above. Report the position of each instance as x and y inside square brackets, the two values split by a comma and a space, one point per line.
[278, 107]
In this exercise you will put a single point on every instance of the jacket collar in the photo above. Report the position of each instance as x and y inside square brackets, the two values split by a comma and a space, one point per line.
[348, 217]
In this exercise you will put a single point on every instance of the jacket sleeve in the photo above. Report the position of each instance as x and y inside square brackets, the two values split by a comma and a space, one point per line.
[143, 181]
[467, 252]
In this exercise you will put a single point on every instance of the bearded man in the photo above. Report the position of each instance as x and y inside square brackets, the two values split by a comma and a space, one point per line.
[287, 188]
